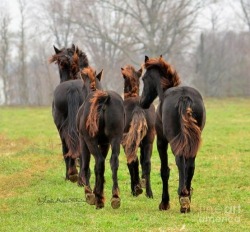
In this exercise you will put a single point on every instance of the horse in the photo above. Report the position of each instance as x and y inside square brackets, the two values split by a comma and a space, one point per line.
[180, 119]
[67, 98]
[100, 122]
[139, 132]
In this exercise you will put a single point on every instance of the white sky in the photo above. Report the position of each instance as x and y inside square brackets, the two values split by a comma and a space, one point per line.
[227, 19]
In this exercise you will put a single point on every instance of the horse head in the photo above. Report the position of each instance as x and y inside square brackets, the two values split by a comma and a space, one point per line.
[131, 81]
[70, 61]
[91, 80]
[159, 76]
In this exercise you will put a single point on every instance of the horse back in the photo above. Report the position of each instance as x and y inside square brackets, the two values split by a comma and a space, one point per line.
[170, 111]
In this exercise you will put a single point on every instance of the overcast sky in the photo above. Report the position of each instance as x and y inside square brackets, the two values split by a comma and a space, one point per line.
[226, 8]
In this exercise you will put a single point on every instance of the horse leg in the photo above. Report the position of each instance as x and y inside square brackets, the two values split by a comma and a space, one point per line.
[143, 180]
[114, 164]
[190, 167]
[99, 186]
[162, 145]
[66, 159]
[84, 174]
[72, 171]
[136, 188]
[99, 171]
[182, 190]
[146, 167]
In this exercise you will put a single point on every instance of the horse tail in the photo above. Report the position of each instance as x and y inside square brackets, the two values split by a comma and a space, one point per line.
[187, 142]
[97, 101]
[72, 138]
[137, 131]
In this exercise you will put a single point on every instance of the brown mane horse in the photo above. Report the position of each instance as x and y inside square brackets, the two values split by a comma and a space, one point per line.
[68, 97]
[100, 123]
[179, 122]
[139, 132]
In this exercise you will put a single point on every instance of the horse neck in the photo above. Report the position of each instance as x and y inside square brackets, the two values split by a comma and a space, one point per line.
[134, 92]
[87, 90]
[64, 75]
[160, 91]
[131, 94]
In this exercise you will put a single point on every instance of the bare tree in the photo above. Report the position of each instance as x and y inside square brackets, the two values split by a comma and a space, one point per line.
[23, 80]
[101, 31]
[245, 7]
[56, 18]
[4, 51]
[223, 64]
[158, 27]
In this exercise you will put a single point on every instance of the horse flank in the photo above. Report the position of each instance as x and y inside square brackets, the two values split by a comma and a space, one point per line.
[97, 102]
[187, 142]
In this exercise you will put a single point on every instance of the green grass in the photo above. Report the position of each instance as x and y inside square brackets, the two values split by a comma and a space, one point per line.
[32, 172]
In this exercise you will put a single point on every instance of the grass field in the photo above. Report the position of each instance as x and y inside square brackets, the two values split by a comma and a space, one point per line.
[35, 197]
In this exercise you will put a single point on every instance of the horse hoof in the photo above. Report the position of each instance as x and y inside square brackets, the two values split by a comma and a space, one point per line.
[90, 198]
[149, 195]
[185, 204]
[143, 183]
[73, 178]
[164, 206]
[99, 205]
[115, 202]
[80, 182]
[138, 190]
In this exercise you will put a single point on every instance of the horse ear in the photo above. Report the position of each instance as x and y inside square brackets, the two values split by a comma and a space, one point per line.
[139, 72]
[73, 47]
[77, 50]
[56, 50]
[146, 59]
[99, 75]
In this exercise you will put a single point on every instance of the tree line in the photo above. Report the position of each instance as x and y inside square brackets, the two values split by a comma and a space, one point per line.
[114, 33]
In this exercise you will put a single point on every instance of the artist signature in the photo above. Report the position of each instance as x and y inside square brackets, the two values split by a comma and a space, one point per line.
[49, 200]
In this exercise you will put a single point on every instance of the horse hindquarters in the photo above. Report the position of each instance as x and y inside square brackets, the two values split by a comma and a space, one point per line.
[67, 99]
[185, 138]
[102, 124]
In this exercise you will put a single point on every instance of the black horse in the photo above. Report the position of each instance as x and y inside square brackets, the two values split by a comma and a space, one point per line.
[180, 119]
[68, 97]
[100, 122]
[139, 132]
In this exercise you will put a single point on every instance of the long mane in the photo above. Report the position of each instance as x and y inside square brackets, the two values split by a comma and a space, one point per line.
[170, 77]
[129, 72]
[79, 58]
[89, 73]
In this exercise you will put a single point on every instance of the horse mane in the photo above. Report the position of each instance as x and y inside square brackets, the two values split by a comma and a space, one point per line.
[170, 77]
[130, 73]
[79, 58]
[83, 59]
[97, 100]
[90, 73]
[75, 64]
